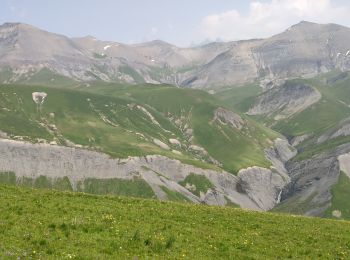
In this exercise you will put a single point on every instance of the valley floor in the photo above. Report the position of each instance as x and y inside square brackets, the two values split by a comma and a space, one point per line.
[45, 224]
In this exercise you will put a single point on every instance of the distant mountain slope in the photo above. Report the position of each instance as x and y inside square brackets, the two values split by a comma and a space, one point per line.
[304, 49]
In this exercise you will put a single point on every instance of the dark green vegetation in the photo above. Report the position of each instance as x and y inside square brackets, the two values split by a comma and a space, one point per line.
[132, 73]
[295, 205]
[134, 188]
[198, 183]
[240, 98]
[50, 225]
[340, 197]
[62, 184]
[124, 120]
[173, 195]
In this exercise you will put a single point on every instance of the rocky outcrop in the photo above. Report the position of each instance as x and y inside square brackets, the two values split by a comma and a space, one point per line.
[286, 100]
[295, 141]
[265, 186]
[279, 154]
[337, 78]
[262, 185]
[343, 129]
[34, 160]
[283, 150]
[312, 180]
[344, 163]
[225, 116]
[161, 144]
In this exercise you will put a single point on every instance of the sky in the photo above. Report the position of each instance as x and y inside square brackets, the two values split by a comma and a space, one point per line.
[180, 22]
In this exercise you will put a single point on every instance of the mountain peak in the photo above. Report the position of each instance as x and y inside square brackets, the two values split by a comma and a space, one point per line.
[312, 25]
[303, 23]
[18, 25]
[154, 43]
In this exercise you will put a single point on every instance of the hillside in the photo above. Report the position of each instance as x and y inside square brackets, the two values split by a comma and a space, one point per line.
[52, 224]
[154, 141]
[127, 120]
[314, 115]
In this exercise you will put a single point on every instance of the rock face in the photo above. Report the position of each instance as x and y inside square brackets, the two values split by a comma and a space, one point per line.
[312, 179]
[34, 160]
[161, 144]
[343, 129]
[304, 49]
[286, 100]
[283, 150]
[295, 141]
[279, 154]
[344, 163]
[228, 117]
[254, 188]
[262, 185]
[265, 186]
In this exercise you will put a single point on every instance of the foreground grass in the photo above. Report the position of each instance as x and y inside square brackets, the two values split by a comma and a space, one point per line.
[50, 224]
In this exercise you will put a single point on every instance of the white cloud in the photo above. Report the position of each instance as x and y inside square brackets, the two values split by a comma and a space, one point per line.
[267, 18]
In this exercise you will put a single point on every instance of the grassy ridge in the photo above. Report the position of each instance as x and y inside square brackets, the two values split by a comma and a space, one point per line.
[51, 224]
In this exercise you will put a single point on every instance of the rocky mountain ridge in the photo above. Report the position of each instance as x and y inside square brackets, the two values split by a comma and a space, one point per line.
[304, 49]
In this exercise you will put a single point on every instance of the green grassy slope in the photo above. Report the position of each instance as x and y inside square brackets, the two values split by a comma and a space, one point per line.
[340, 197]
[94, 121]
[240, 98]
[235, 149]
[109, 118]
[44, 224]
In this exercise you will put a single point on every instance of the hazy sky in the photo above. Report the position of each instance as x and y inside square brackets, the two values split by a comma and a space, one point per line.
[181, 22]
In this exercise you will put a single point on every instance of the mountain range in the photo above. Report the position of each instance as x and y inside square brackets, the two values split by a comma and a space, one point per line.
[262, 124]
[305, 49]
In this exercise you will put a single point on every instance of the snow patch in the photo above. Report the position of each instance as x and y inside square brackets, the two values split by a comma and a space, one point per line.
[106, 47]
